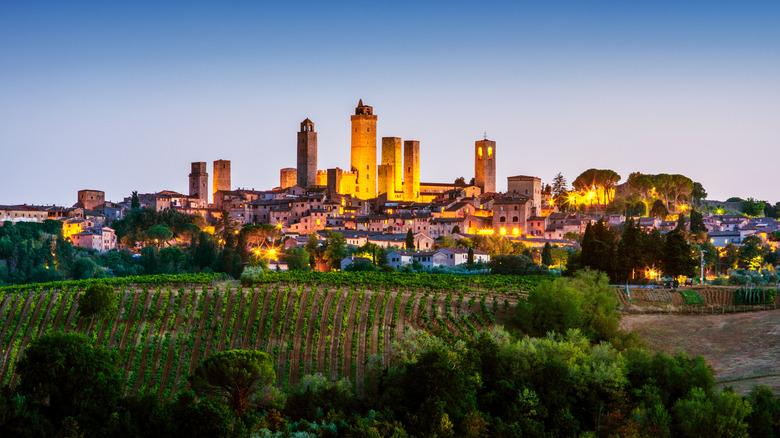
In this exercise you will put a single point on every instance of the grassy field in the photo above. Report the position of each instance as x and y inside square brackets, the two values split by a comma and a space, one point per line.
[161, 333]
[743, 348]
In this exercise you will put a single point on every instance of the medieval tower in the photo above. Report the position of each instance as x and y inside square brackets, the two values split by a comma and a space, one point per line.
[411, 170]
[485, 165]
[221, 176]
[307, 154]
[363, 156]
[199, 182]
[391, 170]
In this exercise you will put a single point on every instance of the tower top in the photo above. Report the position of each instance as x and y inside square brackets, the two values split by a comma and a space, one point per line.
[363, 109]
[307, 125]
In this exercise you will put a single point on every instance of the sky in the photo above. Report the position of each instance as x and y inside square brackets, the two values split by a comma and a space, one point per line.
[122, 96]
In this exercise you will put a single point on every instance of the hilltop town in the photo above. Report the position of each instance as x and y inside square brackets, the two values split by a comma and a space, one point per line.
[381, 201]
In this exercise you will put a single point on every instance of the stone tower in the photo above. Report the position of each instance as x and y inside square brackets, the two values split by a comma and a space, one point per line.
[307, 155]
[288, 177]
[411, 170]
[364, 151]
[221, 176]
[485, 165]
[199, 182]
[391, 170]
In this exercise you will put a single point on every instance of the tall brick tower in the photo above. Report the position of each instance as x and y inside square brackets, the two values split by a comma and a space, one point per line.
[221, 175]
[307, 154]
[391, 170]
[364, 151]
[199, 182]
[411, 170]
[485, 165]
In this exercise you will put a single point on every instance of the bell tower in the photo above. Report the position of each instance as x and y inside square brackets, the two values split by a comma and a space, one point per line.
[364, 151]
[307, 155]
[485, 165]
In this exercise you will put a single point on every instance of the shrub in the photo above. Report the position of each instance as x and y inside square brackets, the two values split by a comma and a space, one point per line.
[99, 299]
[251, 275]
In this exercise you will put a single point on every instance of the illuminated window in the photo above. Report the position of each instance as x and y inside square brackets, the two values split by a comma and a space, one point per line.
[479, 151]
[490, 152]
[503, 231]
[515, 231]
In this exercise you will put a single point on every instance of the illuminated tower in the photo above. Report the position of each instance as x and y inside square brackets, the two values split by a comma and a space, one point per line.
[199, 182]
[391, 170]
[485, 165]
[307, 154]
[411, 170]
[221, 176]
[364, 151]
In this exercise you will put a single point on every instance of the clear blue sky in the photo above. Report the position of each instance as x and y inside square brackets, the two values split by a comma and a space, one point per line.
[122, 96]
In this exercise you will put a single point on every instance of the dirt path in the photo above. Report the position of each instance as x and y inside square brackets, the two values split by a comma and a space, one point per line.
[226, 316]
[298, 336]
[740, 347]
[281, 356]
[122, 317]
[54, 299]
[185, 352]
[208, 298]
[247, 342]
[330, 353]
[358, 361]
[322, 346]
[316, 308]
[148, 349]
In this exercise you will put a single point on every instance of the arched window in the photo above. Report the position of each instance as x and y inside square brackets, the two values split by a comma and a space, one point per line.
[514, 219]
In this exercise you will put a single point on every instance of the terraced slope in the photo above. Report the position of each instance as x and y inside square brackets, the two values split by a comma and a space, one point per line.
[161, 333]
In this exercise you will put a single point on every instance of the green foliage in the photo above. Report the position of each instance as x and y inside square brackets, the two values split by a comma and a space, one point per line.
[678, 258]
[691, 297]
[99, 299]
[72, 377]
[297, 259]
[698, 415]
[252, 275]
[409, 239]
[235, 376]
[764, 418]
[336, 250]
[752, 207]
[514, 265]
[584, 302]
[547, 254]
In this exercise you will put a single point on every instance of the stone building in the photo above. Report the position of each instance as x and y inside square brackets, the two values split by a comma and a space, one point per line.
[485, 165]
[90, 199]
[363, 152]
[529, 186]
[510, 213]
[307, 154]
[288, 177]
[411, 170]
[390, 172]
[221, 175]
[199, 183]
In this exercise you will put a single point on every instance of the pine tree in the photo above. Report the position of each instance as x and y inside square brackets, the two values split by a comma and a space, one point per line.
[409, 239]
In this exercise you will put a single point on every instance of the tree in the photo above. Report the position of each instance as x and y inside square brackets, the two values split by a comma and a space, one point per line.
[297, 259]
[698, 193]
[470, 256]
[235, 376]
[336, 250]
[460, 181]
[159, 234]
[583, 302]
[751, 207]
[409, 239]
[72, 377]
[135, 203]
[751, 253]
[697, 222]
[99, 299]
[547, 254]
[677, 256]
[659, 210]
[629, 251]
[560, 189]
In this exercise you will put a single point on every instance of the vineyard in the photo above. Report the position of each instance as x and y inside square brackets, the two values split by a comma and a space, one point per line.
[707, 299]
[332, 327]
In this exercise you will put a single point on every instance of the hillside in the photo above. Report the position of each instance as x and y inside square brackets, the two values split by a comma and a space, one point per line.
[161, 333]
[743, 348]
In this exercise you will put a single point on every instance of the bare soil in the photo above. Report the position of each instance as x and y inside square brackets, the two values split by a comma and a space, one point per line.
[743, 348]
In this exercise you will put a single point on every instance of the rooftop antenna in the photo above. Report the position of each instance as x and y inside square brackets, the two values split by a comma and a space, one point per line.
[485, 135]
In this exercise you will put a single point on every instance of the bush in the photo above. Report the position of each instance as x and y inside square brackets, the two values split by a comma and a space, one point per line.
[720, 281]
[251, 275]
[99, 299]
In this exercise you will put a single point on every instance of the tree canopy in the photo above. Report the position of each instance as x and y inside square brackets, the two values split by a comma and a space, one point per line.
[235, 376]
